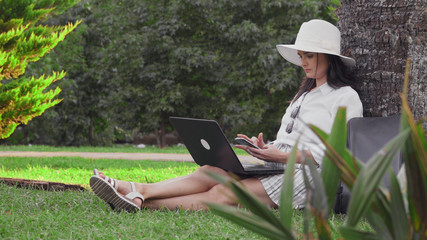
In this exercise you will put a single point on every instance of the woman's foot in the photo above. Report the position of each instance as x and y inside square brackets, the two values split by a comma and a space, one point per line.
[120, 195]
[123, 187]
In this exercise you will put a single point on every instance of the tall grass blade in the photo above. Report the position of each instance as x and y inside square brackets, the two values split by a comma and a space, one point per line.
[286, 199]
[307, 218]
[351, 233]
[380, 223]
[381, 208]
[250, 202]
[224, 180]
[249, 221]
[398, 219]
[320, 133]
[419, 134]
[415, 158]
[338, 141]
[369, 178]
[317, 201]
[347, 164]
[256, 207]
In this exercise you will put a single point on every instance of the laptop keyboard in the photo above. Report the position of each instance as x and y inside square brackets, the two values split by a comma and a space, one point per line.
[274, 165]
[269, 165]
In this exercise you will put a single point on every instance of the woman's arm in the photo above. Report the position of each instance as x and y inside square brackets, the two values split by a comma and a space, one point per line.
[270, 153]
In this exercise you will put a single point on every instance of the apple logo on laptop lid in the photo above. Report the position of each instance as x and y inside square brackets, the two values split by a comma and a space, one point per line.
[205, 144]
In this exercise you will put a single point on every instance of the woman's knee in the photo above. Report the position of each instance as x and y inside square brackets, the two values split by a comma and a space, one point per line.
[222, 195]
[206, 168]
[201, 176]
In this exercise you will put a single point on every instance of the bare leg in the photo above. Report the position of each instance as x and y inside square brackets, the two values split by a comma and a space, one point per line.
[192, 191]
[217, 194]
[196, 182]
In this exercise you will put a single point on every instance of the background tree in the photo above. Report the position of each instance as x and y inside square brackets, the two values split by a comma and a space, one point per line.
[135, 63]
[86, 114]
[205, 59]
[381, 35]
[22, 40]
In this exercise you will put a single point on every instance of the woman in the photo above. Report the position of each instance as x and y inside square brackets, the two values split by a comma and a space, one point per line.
[317, 51]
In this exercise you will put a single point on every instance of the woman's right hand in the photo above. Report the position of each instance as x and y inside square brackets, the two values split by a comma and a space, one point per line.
[266, 152]
[257, 141]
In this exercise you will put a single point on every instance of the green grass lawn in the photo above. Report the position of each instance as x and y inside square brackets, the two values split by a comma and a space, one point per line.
[126, 148]
[114, 148]
[37, 214]
[77, 170]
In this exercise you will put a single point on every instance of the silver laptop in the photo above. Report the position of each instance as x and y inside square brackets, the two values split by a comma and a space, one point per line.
[208, 145]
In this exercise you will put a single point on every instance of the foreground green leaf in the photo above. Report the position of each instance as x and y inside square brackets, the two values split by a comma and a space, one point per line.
[249, 201]
[317, 201]
[249, 221]
[415, 157]
[370, 177]
[350, 233]
[346, 163]
[338, 140]
[287, 194]
[380, 224]
[399, 218]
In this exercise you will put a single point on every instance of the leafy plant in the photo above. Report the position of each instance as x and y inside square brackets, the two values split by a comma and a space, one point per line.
[332, 9]
[384, 209]
[260, 219]
[134, 63]
[22, 40]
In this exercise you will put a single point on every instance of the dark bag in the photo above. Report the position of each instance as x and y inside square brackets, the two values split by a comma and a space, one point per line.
[366, 136]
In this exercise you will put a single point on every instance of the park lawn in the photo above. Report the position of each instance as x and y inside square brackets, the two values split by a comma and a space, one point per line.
[126, 148]
[77, 170]
[34, 214]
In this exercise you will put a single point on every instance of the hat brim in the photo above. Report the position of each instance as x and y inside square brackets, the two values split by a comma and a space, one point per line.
[290, 53]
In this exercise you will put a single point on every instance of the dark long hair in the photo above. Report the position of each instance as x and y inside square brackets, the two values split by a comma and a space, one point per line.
[338, 75]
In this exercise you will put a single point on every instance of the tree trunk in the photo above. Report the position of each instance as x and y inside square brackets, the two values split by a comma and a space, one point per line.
[161, 135]
[381, 35]
[91, 131]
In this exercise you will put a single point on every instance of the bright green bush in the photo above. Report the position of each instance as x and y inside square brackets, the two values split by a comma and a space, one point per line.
[24, 40]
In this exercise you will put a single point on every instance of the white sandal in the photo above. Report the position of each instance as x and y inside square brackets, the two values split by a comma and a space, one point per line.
[109, 180]
[106, 189]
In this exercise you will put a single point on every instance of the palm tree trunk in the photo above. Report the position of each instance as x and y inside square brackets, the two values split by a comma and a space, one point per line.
[381, 35]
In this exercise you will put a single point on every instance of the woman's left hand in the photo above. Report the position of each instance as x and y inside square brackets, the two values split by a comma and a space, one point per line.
[268, 153]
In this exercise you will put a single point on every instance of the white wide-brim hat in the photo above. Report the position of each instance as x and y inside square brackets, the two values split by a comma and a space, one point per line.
[316, 36]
